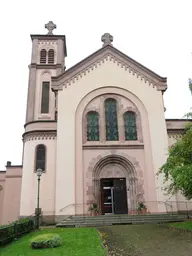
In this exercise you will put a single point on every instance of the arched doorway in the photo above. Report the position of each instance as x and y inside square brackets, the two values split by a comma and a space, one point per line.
[115, 185]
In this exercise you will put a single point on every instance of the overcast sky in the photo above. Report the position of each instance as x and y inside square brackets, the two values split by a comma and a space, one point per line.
[156, 33]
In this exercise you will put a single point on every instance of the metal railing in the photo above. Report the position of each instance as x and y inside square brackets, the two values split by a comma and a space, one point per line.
[179, 207]
[152, 207]
[14, 230]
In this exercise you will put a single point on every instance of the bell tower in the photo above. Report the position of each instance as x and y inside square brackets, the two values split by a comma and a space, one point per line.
[47, 60]
[39, 139]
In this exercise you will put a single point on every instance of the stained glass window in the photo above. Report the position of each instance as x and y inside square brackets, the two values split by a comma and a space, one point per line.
[92, 126]
[40, 157]
[111, 123]
[130, 125]
[45, 97]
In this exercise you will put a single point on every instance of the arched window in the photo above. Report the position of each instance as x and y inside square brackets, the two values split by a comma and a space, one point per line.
[51, 56]
[92, 126]
[40, 157]
[111, 122]
[45, 97]
[43, 56]
[130, 125]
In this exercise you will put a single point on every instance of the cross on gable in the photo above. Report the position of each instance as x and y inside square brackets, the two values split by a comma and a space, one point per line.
[107, 39]
[50, 26]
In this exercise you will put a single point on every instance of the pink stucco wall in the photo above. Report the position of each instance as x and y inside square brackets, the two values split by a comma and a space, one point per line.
[10, 194]
[138, 153]
[2, 189]
[29, 177]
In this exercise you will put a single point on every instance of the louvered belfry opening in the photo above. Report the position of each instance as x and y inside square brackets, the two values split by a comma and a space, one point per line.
[51, 56]
[43, 56]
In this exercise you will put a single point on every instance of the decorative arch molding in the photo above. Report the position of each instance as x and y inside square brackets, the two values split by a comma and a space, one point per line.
[47, 47]
[114, 159]
[130, 108]
[105, 92]
[119, 106]
[83, 177]
[121, 109]
[127, 165]
[138, 121]
[111, 169]
[45, 72]
[114, 96]
[36, 160]
[45, 76]
[87, 110]
[132, 161]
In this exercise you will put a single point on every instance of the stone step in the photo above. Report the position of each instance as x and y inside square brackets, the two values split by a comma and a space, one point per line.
[126, 216]
[122, 219]
[111, 224]
[117, 222]
[111, 221]
[95, 224]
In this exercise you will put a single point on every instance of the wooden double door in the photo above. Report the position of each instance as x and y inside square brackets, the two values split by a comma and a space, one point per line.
[113, 196]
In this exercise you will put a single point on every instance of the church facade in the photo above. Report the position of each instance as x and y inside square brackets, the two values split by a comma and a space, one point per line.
[98, 132]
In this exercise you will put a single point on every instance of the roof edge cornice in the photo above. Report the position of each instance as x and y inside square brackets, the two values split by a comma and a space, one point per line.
[51, 37]
[108, 54]
[39, 135]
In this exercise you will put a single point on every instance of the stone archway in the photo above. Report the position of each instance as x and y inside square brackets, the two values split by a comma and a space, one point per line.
[115, 166]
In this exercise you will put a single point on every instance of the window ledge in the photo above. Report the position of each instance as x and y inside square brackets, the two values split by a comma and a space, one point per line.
[44, 116]
[114, 144]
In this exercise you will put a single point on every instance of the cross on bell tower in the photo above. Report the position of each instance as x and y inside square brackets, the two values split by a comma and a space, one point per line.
[50, 26]
[107, 39]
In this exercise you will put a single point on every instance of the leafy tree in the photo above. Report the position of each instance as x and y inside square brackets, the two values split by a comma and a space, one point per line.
[177, 170]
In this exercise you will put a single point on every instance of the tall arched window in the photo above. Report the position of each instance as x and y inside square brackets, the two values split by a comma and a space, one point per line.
[130, 125]
[111, 122]
[43, 56]
[40, 157]
[45, 97]
[51, 55]
[92, 126]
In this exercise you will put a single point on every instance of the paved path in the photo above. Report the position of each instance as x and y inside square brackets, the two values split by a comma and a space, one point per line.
[147, 240]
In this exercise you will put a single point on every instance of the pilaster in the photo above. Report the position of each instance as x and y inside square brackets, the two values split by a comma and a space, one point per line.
[31, 95]
[34, 51]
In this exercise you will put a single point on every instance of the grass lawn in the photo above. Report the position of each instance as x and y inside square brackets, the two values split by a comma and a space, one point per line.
[76, 242]
[183, 225]
[147, 240]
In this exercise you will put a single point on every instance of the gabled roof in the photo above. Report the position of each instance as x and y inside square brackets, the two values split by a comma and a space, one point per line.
[108, 53]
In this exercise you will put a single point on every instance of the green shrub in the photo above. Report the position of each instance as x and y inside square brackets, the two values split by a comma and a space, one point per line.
[15, 229]
[46, 241]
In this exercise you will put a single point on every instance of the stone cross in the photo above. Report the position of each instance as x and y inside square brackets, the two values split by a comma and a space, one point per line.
[50, 26]
[107, 39]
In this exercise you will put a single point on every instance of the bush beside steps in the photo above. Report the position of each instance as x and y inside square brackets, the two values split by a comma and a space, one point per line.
[46, 241]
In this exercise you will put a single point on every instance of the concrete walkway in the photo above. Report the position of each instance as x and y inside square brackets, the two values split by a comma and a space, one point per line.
[147, 240]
